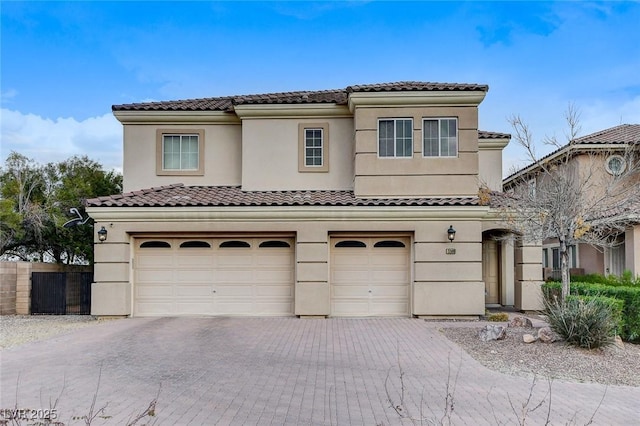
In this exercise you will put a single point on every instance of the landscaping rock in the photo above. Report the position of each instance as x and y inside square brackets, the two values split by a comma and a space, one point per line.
[521, 322]
[529, 338]
[492, 332]
[618, 342]
[546, 335]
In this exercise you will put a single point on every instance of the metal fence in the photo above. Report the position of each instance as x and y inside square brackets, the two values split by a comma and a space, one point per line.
[61, 293]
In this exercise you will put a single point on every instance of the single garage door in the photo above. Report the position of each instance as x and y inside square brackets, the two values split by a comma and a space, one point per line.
[213, 276]
[370, 276]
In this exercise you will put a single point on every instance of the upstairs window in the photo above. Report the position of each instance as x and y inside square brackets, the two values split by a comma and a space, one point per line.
[440, 137]
[395, 137]
[313, 147]
[180, 152]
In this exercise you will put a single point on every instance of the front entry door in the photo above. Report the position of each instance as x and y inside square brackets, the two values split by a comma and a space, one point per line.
[491, 272]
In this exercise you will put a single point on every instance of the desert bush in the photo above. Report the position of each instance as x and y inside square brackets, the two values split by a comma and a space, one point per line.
[583, 322]
[629, 327]
[498, 317]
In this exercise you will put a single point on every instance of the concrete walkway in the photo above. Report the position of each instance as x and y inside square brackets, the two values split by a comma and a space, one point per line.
[257, 371]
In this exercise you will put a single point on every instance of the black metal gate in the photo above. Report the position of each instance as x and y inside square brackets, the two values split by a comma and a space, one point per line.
[61, 293]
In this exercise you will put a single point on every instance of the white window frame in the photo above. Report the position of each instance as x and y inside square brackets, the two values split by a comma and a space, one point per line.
[161, 169]
[182, 151]
[396, 138]
[440, 137]
[307, 147]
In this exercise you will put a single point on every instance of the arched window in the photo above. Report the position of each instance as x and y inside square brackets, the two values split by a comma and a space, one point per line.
[274, 244]
[155, 244]
[389, 243]
[195, 244]
[350, 243]
[234, 244]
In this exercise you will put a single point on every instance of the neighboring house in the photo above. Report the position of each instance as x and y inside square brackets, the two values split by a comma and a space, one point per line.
[319, 203]
[601, 154]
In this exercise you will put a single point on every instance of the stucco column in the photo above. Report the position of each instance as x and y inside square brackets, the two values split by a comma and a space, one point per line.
[507, 271]
[312, 292]
[528, 276]
[111, 289]
[632, 250]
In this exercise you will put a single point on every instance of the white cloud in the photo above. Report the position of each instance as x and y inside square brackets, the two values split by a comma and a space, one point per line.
[45, 140]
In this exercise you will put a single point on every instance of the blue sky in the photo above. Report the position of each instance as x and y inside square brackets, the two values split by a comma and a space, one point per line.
[65, 63]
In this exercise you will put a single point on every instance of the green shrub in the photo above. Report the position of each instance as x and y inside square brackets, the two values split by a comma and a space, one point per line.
[616, 306]
[498, 317]
[627, 279]
[630, 295]
[584, 322]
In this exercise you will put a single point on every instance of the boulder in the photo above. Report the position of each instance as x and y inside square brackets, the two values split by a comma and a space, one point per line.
[492, 332]
[520, 321]
[529, 338]
[546, 335]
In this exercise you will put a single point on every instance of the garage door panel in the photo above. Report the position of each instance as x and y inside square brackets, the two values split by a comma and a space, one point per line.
[350, 307]
[350, 258]
[267, 276]
[194, 260]
[400, 277]
[158, 261]
[155, 276]
[181, 280]
[388, 308]
[194, 275]
[194, 307]
[155, 308]
[273, 307]
[233, 276]
[193, 290]
[226, 260]
[273, 291]
[155, 290]
[350, 276]
[370, 281]
[275, 260]
[353, 291]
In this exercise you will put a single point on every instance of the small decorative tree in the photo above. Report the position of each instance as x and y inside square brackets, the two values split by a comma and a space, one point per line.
[568, 196]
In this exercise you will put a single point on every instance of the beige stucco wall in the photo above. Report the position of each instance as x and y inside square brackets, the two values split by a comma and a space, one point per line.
[222, 155]
[632, 250]
[490, 168]
[591, 260]
[418, 175]
[441, 284]
[270, 155]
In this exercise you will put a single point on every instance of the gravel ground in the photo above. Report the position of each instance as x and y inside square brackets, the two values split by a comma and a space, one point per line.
[16, 330]
[612, 365]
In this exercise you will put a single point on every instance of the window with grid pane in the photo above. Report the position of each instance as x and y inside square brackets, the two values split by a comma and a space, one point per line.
[313, 147]
[440, 137]
[180, 152]
[395, 137]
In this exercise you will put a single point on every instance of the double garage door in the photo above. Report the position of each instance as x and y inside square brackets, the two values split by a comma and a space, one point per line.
[255, 276]
[213, 276]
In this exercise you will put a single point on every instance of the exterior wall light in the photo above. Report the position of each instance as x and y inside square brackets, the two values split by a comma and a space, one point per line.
[451, 233]
[102, 235]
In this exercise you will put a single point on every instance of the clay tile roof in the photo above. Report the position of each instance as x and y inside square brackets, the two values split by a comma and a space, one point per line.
[483, 134]
[416, 86]
[337, 96]
[178, 195]
[623, 134]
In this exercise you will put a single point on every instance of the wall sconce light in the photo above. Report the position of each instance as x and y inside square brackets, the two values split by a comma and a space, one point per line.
[451, 233]
[102, 235]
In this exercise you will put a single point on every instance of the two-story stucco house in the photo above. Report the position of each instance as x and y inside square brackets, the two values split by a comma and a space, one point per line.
[599, 157]
[320, 203]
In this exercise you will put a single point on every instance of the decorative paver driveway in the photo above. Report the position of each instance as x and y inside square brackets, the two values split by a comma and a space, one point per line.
[261, 371]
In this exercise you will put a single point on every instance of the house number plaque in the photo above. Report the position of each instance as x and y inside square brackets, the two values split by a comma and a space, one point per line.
[451, 251]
